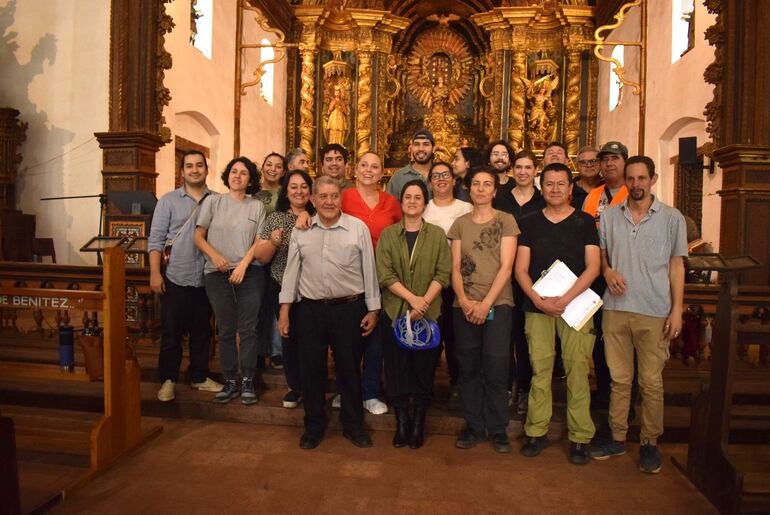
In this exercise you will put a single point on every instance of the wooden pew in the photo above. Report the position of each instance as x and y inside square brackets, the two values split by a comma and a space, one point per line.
[118, 430]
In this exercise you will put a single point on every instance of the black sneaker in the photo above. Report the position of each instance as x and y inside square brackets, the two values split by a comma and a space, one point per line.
[500, 442]
[649, 458]
[248, 395]
[292, 399]
[578, 453]
[534, 446]
[468, 439]
[276, 361]
[229, 392]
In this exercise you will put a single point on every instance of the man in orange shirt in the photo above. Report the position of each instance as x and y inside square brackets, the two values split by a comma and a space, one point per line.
[612, 159]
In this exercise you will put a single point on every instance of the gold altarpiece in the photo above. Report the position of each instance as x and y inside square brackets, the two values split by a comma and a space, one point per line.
[367, 78]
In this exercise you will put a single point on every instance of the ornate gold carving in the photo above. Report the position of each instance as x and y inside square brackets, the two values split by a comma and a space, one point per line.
[572, 104]
[714, 71]
[600, 42]
[306, 108]
[279, 45]
[363, 122]
[165, 24]
[439, 68]
[337, 87]
[542, 109]
[518, 94]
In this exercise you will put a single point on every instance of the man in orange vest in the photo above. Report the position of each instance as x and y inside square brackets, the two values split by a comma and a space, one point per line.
[612, 158]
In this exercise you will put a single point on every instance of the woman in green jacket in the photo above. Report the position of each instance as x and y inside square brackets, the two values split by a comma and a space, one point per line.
[413, 265]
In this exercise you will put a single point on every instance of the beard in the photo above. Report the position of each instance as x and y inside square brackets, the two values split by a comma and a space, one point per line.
[637, 194]
[425, 160]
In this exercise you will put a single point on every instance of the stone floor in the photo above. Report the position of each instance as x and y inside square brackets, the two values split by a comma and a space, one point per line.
[199, 466]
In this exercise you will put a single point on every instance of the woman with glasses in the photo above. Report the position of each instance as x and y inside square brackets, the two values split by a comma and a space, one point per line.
[226, 232]
[442, 210]
[413, 264]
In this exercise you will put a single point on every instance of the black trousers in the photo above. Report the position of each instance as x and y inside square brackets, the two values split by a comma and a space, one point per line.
[290, 351]
[185, 310]
[408, 373]
[320, 326]
[448, 334]
[484, 355]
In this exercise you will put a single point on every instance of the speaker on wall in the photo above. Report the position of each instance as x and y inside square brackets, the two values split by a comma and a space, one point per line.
[688, 151]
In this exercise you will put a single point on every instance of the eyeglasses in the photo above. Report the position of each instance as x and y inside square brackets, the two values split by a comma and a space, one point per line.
[499, 154]
[441, 175]
[588, 162]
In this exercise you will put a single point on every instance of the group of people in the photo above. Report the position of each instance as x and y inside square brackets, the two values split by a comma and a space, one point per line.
[333, 263]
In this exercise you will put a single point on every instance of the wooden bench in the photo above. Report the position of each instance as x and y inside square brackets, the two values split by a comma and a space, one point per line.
[117, 430]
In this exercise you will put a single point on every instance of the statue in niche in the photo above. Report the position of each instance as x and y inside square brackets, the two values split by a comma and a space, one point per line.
[337, 115]
[542, 109]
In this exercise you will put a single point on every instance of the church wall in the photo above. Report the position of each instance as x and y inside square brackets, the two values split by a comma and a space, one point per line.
[55, 65]
[676, 98]
[202, 104]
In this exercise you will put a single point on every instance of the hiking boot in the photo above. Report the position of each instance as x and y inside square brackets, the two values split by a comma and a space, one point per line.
[534, 446]
[649, 458]
[578, 453]
[248, 394]
[468, 439]
[606, 450]
[229, 392]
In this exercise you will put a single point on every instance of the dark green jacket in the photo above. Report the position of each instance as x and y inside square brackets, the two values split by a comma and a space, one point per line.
[431, 261]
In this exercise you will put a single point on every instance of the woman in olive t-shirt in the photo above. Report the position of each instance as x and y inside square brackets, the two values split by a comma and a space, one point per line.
[483, 250]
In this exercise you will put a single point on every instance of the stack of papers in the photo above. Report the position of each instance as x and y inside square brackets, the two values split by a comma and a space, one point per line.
[555, 282]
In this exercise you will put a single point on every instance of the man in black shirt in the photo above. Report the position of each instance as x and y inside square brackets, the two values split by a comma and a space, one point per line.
[560, 232]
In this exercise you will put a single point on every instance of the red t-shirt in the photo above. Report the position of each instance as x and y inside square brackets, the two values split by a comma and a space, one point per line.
[385, 213]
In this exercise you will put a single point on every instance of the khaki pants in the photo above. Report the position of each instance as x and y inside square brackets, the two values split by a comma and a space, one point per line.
[576, 347]
[625, 332]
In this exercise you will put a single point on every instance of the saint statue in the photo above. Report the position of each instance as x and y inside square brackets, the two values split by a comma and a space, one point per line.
[337, 117]
[541, 107]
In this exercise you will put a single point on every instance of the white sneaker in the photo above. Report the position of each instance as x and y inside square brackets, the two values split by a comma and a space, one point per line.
[209, 385]
[375, 406]
[166, 392]
[337, 402]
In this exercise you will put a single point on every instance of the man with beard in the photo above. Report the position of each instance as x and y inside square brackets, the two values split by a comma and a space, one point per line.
[612, 159]
[422, 158]
[499, 155]
[334, 160]
[643, 242]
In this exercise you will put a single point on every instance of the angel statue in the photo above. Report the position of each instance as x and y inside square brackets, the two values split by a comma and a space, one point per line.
[539, 94]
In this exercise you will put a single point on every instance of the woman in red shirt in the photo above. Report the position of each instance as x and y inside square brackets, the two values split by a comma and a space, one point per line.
[367, 202]
[377, 209]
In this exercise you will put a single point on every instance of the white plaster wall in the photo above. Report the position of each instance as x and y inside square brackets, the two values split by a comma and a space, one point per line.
[54, 58]
[676, 98]
[202, 91]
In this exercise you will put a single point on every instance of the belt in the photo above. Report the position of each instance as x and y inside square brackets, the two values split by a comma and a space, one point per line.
[339, 300]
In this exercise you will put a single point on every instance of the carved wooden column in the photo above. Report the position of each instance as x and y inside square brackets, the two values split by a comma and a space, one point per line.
[739, 123]
[12, 135]
[517, 89]
[307, 99]
[497, 82]
[137, 95]
[572, 100]
[364, 108]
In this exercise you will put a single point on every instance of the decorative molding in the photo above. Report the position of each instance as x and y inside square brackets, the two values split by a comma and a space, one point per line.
[713, 74]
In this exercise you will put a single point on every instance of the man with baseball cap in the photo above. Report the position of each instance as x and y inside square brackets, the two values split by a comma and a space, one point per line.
[612, 158]
[422, 158]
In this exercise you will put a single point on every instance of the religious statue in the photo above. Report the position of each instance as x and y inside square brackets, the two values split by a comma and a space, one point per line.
[337, 116]
[542, 109]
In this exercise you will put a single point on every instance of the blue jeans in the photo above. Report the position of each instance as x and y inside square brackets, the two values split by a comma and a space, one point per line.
[236, 308]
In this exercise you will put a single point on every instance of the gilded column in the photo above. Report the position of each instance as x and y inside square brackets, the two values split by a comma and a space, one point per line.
[364, 110]
[518, 99]
[572, 104]
[307, 104]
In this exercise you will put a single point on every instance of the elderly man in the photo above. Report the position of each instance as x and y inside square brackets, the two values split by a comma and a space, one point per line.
[330, 273]
[643, 242]
[421, 150]
[557, 232]
[296, 159]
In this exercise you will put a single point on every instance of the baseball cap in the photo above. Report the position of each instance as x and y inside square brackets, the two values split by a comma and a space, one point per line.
[613, 147]
[423, 134]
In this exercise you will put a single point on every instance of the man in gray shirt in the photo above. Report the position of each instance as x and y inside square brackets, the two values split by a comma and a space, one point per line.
[330, 274]
[421, 152]
[185, 308]
[643, 243]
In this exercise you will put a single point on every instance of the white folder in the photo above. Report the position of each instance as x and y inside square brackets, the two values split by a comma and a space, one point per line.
[555, 282]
